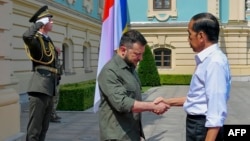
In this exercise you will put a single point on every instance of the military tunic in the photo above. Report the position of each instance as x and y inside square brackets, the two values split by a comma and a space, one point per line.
[42, 81]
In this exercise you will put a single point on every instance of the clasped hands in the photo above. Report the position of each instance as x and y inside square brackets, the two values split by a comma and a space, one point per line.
[58, 50]
[160, 106]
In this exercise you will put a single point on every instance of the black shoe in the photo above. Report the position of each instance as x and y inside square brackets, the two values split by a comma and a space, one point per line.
[55, 120]
[57, 117]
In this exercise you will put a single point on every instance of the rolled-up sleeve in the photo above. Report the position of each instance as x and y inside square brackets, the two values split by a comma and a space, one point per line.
[217, 92]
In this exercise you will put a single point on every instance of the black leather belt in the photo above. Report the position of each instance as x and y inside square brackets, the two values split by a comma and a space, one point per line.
[196, 116]
[51, 69]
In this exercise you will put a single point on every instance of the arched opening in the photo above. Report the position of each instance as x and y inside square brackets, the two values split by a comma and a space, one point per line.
[163, 57]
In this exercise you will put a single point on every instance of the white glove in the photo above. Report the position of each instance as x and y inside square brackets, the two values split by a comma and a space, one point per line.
[44, 20]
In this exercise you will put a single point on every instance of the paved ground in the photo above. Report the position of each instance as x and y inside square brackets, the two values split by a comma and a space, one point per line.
[83, 126]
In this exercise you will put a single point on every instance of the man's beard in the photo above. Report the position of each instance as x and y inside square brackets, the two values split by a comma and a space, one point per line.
[131, 64]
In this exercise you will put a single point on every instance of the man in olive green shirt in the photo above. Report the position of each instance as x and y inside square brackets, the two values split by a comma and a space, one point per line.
[119, 84]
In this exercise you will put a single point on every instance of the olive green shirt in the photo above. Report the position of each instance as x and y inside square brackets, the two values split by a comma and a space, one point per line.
[119, 88]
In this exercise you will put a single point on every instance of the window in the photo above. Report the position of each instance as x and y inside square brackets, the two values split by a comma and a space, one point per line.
[87, 57]
[161, 10]
[162, 57]
[64, 56]
[67, 57]
[162, 4]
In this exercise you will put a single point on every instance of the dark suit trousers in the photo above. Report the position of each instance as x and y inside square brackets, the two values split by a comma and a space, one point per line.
[196, 130]
[40, 109]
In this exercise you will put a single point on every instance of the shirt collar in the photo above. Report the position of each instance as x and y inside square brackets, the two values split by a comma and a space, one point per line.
[200, 57]
[45, 35]
[121, 63]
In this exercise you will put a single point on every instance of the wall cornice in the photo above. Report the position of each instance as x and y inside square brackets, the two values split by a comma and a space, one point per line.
[235, 29]
[63, 11]
[179, 24]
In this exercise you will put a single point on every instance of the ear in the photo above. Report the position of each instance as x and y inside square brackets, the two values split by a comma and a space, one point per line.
[123, 49]
[202, 35]
[202, 38]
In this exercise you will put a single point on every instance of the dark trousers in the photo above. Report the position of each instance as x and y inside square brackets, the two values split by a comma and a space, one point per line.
[196, 130]
[40, 108]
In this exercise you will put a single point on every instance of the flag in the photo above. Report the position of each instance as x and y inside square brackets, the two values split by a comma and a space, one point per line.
[114, 24]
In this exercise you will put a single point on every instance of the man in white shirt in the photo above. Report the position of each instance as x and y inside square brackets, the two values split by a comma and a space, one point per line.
[206, 100]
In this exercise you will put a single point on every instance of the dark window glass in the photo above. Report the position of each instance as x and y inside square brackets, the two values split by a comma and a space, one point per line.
[158, 63]
[157, 57]
[162, 57]
[162, 4]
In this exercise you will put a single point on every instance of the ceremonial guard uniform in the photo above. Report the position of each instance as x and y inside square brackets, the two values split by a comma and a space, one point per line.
[46, 76]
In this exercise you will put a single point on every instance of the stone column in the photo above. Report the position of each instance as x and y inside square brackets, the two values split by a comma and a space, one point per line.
[9, 98]
[237, 11]
[213, 6]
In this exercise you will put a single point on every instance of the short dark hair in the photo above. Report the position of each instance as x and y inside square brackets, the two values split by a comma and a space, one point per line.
[130, 37]
[207, 23]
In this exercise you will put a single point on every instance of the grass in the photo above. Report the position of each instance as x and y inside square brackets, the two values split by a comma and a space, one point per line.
[145, 88]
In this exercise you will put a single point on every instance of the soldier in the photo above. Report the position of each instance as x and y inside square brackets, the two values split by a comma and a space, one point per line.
[42, 88]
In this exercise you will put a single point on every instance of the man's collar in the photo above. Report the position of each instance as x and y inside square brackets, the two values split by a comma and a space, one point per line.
[121, 63]
[200, 57]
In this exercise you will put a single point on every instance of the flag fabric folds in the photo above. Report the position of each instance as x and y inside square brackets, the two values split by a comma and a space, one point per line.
[114, 24]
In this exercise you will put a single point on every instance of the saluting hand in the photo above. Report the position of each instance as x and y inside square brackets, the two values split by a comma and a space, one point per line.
[44, 20]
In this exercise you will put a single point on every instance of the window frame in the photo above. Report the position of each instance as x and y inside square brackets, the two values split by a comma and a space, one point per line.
[162, 55]
[162, 6]
[161, 15]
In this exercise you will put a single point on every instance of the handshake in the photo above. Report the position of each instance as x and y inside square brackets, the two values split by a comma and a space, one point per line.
[160, 106]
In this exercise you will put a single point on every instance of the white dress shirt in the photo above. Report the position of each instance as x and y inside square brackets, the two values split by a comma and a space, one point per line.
[210, 86]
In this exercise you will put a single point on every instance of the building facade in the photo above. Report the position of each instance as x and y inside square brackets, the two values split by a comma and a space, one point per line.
[164, 24]
[77, 30]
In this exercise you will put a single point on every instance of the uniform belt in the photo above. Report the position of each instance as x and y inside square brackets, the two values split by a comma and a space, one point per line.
[51, 69]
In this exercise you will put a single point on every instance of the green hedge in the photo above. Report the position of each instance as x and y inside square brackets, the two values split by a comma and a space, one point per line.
[167, 79]
[80, 96]
[76, 96]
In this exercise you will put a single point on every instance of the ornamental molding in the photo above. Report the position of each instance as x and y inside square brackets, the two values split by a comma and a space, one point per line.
[71, 1]
[88, 5]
